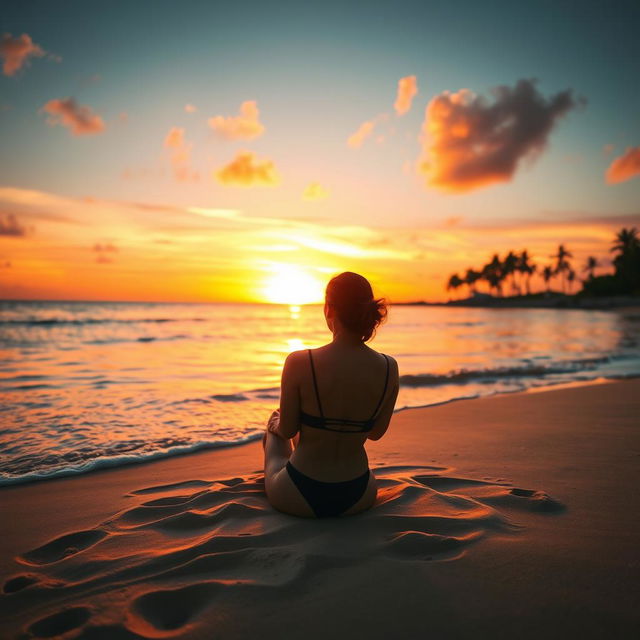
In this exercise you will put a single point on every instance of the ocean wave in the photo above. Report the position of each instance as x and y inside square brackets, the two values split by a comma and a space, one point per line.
[98, 341]
[73, 463]
[110, 461]
[49, 322]
[272, 393]
[463, 376]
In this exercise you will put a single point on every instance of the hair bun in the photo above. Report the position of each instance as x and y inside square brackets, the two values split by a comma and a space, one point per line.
[352, 297]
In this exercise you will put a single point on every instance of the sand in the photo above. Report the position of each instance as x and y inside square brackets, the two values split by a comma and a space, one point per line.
[514, 516]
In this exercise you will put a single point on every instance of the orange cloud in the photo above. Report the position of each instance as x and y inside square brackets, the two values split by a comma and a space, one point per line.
[9, 226]
[80, 119]
[180, 155]
[17, 51]
[175, 138]
[625, 167]
[103, 251]
[356, 139]
[315, 191]
[453, 221]
[189, 108]
[244, 171]
[245, 126]
[469, 142]
[407, 90]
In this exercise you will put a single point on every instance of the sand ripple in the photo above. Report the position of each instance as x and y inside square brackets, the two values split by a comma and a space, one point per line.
[180, 553]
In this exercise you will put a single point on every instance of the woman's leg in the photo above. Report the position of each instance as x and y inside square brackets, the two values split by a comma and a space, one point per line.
[281, 492]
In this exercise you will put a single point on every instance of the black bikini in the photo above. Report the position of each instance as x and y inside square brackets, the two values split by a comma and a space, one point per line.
[333, 498]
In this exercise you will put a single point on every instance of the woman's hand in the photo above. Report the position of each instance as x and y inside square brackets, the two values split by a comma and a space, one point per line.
[274, 422]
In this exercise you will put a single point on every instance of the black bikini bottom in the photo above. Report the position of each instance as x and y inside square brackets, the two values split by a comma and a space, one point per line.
[329, 498]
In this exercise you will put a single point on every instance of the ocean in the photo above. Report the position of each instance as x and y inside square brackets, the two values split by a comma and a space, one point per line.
[87, 385]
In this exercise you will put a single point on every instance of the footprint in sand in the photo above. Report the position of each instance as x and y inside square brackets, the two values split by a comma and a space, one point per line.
[60, 622]
[157, 566]
[18, 583]
[63, 547]
[166, 488]
[170, 609]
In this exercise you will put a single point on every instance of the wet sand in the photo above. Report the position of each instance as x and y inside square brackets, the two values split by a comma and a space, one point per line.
[515, 516]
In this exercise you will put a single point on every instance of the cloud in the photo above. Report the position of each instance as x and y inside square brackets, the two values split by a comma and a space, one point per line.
[17, 51]
[469, 142]
[625, 167]
[175, 138]
[407, 90]
[80, 119]
[106, 247]
[104, 250]
[315, 191]
[189, 108]
[180, 155]
[356, 139]
[5, 264]
[9, 226]
[244, 171]
[453, 221]
[245, 126]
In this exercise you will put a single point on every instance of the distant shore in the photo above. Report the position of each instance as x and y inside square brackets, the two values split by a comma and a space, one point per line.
[535, 301]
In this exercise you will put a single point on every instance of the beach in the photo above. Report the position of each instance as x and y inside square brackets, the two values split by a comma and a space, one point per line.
[507, 516]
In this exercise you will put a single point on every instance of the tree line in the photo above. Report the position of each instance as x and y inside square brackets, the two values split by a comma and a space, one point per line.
[515, 271]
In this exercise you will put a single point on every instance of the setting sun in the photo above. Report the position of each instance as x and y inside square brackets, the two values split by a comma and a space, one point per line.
[291, 285]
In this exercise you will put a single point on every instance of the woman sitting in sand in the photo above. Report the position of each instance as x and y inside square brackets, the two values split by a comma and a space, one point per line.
[332, 400]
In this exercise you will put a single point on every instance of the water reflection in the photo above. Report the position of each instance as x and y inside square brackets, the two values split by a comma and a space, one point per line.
[92, 379]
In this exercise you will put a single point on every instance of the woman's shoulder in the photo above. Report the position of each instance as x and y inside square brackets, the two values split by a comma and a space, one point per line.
[381, 355]
[393, 364]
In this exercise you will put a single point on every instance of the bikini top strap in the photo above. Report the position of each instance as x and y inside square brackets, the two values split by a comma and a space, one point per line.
[315, 382]
[384, 391]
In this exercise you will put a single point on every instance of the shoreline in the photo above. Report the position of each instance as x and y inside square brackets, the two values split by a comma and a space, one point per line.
[512, 515]
[107, 464]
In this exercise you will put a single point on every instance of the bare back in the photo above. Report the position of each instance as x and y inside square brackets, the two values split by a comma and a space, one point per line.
[352, 381]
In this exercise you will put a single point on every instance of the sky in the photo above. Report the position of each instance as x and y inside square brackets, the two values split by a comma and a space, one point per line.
[216, 151]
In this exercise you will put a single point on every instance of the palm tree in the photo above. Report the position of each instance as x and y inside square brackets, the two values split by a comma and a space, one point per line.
[547, 274]
[571, 276]
[590, 265]
[493, 273]
[454, 282]
[470, 279]
[627, 262]
[627, 241]
[509, 267]
[562, 263]
[526, 268]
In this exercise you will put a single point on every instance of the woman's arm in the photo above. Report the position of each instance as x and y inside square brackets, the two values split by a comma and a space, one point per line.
[289, 423]
[384, 417]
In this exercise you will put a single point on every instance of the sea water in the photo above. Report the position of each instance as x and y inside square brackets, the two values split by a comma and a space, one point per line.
[90, 385]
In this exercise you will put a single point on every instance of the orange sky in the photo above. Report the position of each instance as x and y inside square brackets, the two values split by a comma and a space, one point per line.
[66, 248]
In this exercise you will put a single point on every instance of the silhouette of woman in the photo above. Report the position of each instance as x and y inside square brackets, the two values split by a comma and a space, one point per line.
[332, 400]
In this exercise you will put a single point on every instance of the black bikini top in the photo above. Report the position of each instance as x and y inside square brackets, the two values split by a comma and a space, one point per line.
[359, 426]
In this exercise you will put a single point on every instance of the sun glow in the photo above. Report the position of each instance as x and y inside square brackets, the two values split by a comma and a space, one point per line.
[291, 285]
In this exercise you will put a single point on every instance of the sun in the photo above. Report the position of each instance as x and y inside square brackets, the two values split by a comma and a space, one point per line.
[292, 285]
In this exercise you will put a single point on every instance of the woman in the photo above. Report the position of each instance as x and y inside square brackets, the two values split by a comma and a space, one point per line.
[332, 400]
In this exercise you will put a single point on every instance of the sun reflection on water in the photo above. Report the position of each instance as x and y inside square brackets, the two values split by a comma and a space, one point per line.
[295, 344]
